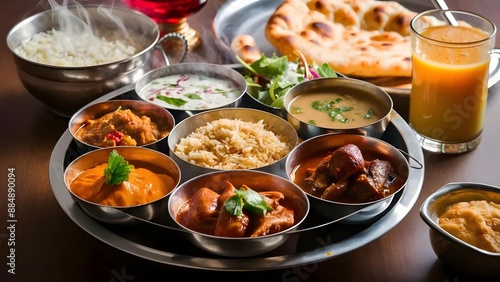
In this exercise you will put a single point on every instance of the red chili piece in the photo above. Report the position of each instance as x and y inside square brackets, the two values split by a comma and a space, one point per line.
[115, 135]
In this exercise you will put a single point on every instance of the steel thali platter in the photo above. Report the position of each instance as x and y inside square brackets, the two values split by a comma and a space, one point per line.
[302, 248]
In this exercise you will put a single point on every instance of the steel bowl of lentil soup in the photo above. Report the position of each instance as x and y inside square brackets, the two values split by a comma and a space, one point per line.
[338, 105]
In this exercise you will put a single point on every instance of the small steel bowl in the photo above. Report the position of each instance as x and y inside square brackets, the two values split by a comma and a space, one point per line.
[370, 147]
[162, 117]
[252, 101]
[137, 156]
[455, 253]
[187, 126]
[356, 88]
[66, 89]
[202, 69]
[258, 181]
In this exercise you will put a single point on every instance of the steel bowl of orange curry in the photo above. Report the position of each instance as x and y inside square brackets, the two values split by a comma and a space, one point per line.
[238, 213]
[118, 185]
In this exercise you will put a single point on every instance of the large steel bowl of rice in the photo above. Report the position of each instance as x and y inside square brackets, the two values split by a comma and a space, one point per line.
[231, 139]
[70, 56]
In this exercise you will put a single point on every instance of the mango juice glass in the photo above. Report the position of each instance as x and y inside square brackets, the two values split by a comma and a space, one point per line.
[451, 52]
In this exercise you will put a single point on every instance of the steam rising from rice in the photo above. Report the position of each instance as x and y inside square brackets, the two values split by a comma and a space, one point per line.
[74, 43]
[58, 48]
[233, 144]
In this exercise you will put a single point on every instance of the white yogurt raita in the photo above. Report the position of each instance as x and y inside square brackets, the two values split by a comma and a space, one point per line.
[190, 92]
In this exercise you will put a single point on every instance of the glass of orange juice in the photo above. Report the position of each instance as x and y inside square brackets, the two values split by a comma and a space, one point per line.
[451, 52]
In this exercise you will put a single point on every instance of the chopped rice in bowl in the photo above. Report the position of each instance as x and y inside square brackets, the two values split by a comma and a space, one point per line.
[233, 144]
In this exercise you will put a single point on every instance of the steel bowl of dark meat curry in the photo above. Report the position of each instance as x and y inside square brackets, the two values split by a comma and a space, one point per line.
[117, 185]
[348, 177]
[121, 123]
[238, 213]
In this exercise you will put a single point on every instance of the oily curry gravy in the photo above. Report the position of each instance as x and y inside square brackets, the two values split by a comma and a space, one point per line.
[336, 110]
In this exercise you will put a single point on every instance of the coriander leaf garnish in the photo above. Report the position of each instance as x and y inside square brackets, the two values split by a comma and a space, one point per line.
[371, 112]
[248, 199]
[172, 101]
[296, 110]
[335, 113]
[194, 96]
[117, 169]
[234, 205]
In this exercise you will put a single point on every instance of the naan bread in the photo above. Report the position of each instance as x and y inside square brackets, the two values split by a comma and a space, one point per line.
[362, 38]
[246, 48]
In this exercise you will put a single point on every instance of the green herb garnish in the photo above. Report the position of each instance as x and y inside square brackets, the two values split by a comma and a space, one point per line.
[234, 205]
[246, 198]
[335, 113]
[172, 101]
[117, 169]
[370, 114]
[296, 110]
[194, 96]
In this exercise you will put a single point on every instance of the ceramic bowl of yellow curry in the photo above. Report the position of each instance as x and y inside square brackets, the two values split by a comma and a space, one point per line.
[464, 227]
[116, 123]
[110, 184]
[337, 105]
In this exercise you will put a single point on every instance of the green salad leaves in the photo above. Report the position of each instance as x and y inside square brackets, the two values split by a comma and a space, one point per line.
[246, 198]
[117, 169]
[269, 78]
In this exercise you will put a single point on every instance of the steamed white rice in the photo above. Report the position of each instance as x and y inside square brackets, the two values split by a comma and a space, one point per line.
[59, 48]
[233, 144]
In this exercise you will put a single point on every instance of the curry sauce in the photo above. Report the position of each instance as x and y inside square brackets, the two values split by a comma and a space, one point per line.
[120, 128]
[474, 222]
[143, 186]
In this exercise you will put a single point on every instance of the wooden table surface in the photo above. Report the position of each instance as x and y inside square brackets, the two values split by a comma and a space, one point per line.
[49, 246]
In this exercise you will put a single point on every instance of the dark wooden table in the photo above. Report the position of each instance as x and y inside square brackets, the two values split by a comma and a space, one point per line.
[49, 246]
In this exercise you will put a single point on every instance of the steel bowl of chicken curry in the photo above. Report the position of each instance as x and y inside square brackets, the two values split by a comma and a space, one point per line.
[117, 185]
[238, 213]
[121, 123]
[348, 177]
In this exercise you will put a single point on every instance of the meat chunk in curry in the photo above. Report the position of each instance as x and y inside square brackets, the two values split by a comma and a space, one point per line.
[346, 176]
[205, 212]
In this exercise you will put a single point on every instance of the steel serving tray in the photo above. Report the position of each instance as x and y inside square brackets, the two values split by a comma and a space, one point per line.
[321, 241]
[250, 17]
